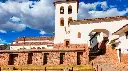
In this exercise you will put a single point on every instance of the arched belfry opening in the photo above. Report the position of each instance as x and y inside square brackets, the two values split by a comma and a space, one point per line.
[61, 10]
[69, 20]
[61, 21]
[79, 35]
[69, 9]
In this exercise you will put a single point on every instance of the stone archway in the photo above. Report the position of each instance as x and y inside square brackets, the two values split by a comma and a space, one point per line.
[98, 40]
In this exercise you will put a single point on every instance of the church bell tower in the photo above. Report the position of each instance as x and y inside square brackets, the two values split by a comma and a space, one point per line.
[65, 11]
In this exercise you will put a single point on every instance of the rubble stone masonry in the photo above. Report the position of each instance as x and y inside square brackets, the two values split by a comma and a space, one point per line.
[73, 55]
[124, 58]
[112, 53]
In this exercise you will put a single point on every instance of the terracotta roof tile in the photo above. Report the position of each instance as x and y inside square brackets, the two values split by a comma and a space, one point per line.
[32, 43]
[35, 38]
[97, 20]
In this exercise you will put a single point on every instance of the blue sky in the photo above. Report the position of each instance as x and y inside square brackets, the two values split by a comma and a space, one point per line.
[36, 17]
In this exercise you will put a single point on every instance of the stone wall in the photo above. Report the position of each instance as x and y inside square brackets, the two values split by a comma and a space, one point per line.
[37, 58]
[124, 58]
[23, 57]
[112, 53]
[53, 57]
[4, 59]
[84, 58]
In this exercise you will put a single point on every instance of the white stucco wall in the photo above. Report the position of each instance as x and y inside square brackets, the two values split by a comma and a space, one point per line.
[85, 29]
[60, 33]
[124, 43]
[29, 47]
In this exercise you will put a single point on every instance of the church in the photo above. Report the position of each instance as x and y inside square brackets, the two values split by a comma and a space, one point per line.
[74, 40]
[69, 30]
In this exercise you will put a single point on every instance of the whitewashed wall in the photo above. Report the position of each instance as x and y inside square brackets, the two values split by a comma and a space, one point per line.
[85, 29]
[29, 47]
[124, 43]
[60, 33]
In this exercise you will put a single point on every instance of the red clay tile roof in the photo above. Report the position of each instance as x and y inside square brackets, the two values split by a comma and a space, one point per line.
[97, 20]
[122, 28]
[32, 43]
[35, 38]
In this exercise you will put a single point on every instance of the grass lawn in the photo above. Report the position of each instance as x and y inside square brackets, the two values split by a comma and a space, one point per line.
[48, 67]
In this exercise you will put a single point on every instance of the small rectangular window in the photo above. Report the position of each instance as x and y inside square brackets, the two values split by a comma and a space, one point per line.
[45, 59]
[61, 22]
[62, 58]
[67, 43]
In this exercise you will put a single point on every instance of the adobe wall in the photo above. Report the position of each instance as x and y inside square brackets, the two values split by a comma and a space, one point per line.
[53, 58]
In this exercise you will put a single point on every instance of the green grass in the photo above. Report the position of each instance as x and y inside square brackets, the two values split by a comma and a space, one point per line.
[55, 67]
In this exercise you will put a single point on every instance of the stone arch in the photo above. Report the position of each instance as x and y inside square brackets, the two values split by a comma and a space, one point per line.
[61, 10]
[105, 31]
[62, 21]
[98, 40]
[69, 9]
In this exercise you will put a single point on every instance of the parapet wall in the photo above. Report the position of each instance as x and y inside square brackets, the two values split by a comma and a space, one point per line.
[76, 54]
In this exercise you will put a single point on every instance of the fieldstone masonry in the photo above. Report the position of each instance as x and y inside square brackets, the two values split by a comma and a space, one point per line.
[53, 58]
[4, 58]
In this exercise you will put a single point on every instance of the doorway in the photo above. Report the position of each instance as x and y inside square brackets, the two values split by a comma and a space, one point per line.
[30, 58]
[12, 59]
[79, 55]
[62, 58]
[45, 59]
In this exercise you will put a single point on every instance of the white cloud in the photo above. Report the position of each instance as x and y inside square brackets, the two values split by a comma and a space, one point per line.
[41, 15]
[42, 32]
[84, 12]
[93, 5]
[108, 13]
[15, 19]
[12, 26]
[2, 31]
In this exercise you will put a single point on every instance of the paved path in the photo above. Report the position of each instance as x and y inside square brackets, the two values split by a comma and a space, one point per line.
[107, 64]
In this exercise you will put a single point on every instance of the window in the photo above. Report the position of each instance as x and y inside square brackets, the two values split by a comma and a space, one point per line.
[45, 59]
[66, 42]
[30, 58]
[61, 10]
[79, 35]
[69, 9]
[126, 33]
[69, 20]
[62, 58]
[62, 22]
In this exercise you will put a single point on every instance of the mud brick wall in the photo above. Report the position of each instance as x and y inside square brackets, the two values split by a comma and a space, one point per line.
[112, 53]
[124, 58]
[4, 57]
[53, 58]
[23, 57]
[37, 58]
